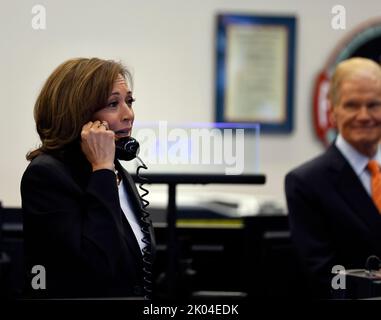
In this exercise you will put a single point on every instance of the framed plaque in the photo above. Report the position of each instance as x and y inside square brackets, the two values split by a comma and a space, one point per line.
[255, 70]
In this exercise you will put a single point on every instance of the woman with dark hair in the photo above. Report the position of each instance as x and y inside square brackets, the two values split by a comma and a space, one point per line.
[83, 218]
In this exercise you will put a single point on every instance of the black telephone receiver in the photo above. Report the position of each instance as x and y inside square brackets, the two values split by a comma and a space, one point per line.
[126, 148]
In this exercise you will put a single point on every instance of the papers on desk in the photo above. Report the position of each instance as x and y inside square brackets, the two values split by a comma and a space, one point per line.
[231, 205]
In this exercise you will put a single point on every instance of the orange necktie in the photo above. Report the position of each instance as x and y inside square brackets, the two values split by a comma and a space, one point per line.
[374, 169]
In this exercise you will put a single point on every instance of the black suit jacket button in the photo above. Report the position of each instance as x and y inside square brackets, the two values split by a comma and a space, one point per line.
[138, 290]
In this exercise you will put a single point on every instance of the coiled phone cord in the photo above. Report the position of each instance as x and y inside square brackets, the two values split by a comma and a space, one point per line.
[147, 254]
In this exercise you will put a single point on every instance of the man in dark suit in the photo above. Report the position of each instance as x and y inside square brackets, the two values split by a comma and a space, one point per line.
[335, 217]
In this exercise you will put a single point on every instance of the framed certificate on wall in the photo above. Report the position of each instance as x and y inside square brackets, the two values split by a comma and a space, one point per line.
[255, 70]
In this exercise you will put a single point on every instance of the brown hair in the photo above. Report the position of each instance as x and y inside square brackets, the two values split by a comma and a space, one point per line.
[73, 92]
[347, 69]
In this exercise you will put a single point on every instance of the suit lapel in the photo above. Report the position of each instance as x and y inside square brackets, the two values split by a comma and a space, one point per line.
[133, 195]
[354, 193]
[135, 199]
[131, 190]
[127, 232]
[130, 238]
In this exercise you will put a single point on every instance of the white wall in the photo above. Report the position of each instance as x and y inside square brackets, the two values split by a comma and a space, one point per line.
[169, 45]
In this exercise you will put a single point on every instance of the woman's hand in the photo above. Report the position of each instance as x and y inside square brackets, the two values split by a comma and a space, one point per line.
[98, 145]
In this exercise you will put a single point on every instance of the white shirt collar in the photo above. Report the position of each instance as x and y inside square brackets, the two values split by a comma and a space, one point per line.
[357, 160]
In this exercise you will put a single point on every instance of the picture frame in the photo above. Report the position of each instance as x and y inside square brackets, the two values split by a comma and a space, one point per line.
[255, 70]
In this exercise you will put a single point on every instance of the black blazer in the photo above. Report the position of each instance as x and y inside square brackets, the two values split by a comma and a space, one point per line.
[75, 228]
[333, 220]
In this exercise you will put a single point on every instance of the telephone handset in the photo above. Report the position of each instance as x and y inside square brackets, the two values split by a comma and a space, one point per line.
[126, 148]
